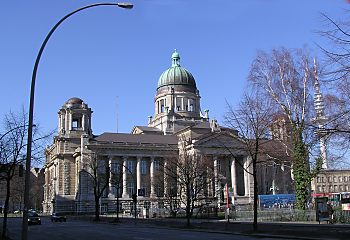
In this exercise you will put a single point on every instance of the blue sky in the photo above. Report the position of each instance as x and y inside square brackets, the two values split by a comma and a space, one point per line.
[112, 58]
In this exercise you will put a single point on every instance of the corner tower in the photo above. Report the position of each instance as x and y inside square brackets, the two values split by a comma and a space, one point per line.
[74, 119]
[177, 101]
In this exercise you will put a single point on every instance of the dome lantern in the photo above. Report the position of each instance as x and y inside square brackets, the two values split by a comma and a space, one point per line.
[175, 59]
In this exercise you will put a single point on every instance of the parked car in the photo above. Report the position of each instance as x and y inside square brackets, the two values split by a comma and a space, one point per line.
[58, 217]
[33, 218]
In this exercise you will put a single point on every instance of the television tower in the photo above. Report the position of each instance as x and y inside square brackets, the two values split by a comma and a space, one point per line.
[320, 118]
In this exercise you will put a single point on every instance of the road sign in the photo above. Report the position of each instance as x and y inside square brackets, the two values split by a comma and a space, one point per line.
[141, 192]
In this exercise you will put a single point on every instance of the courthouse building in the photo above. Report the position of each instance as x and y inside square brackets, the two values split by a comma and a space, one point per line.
[143, 152]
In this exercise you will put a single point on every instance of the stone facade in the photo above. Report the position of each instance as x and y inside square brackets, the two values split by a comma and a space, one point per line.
[139, 158]
[331, 181]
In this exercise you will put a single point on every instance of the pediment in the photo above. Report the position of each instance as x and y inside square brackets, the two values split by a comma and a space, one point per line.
[222, 140]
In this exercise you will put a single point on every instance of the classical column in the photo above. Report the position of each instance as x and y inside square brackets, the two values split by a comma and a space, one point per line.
[66, 121]
[233, 176]
[59, 122]
[83, 122]
[215, 175]
[249, 179]
[165, 178]
[69, 120]
[246, 177]
[182, 104]
[152, 177]
[138, 174]
[125, 171]
[110, 182]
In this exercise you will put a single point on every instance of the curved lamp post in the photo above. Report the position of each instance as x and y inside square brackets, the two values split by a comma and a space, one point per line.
[31, 109]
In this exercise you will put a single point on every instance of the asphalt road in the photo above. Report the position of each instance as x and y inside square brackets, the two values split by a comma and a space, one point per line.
[87, 230]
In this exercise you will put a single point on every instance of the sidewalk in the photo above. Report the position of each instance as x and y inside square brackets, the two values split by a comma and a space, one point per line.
[307, 230]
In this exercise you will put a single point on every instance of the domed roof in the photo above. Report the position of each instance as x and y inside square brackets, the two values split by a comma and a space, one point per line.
[74, 100]
[176, 75]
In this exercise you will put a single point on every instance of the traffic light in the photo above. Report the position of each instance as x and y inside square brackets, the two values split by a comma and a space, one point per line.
[134, 197]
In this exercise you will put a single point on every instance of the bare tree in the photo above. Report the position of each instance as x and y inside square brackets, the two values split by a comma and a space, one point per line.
[12, 155]
[337, 32]
[337, 57]
[287, 78]
[192, 173]
[253, 120]
[98, 172]
[168, 179]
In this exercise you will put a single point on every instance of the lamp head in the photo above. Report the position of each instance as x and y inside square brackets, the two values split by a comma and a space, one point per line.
[125, 5]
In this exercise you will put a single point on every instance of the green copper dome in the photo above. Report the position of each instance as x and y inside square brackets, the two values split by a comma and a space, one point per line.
[176, 75]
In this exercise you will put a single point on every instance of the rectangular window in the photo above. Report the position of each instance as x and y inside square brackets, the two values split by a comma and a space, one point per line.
[345, 179]
[335, 188]
[330, 189]
[116, 167]
[191, 107]
[131, 188]
[156, 165]
[335, 179]
[178, 104]
[329, 179]
[159, 191]
[130, 164]
[143, 167]
[340, 179]
[145, 189]
[323, 179]
[346, 188]
[162, 105]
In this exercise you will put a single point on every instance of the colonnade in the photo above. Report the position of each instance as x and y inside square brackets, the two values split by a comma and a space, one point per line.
[144, 165]
[148, 165]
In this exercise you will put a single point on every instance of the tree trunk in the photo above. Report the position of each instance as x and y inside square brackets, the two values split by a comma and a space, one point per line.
[188, 211]
[6, 208]
[97, 207]
[255, 223]
[118, 205]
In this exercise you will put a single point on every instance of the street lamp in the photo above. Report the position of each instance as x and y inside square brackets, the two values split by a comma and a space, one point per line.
[31, 109]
